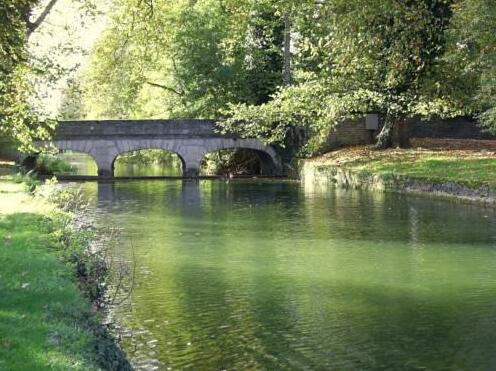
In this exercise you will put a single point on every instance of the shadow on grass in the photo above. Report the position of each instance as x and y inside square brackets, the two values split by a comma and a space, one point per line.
[45, 323]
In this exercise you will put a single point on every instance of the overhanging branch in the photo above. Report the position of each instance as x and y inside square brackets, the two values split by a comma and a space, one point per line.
[33, 26]
[168, 88]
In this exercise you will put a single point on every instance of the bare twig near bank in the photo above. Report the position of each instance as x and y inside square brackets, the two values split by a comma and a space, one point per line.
[123, 276]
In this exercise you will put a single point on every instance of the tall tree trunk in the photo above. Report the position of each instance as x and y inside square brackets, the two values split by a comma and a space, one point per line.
[286, 75]
[385, 137]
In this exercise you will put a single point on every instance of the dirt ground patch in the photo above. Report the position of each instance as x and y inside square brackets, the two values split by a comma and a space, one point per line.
[454, 144]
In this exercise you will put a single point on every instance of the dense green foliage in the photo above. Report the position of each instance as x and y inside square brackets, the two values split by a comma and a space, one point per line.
[184, 59]
[149, 157]
[231, 162]
[36, 48]
[49, 164]
[371, 57]
[472, 56]
[17, 118]
[283, 70]
[227, 59]
[401, 59]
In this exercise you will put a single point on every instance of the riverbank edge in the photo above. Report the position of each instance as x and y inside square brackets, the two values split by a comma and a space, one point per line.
[106, 353]
[312, 171]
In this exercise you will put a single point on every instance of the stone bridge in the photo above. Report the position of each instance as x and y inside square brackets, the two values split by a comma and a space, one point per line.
[191, 140]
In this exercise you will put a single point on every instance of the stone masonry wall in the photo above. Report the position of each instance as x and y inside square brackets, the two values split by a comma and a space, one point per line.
[136, 128]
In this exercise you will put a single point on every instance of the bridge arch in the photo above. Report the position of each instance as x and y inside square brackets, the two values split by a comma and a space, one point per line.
[84, 147]
[119, 164]
[270, 160]
[83, 163]
[186, 152]
[245, 161]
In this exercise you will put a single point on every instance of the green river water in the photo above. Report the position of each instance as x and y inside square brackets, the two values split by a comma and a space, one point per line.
[265, 275]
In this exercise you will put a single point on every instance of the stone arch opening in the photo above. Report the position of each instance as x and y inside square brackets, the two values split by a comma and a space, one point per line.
[148, 162]
[238, 162]
[81, 163]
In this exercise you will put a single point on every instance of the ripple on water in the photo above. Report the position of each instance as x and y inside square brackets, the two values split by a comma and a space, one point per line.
[273, 277]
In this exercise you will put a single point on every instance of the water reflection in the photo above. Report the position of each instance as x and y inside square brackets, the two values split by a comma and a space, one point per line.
[146, 170]
[106, 192]
[274, 276]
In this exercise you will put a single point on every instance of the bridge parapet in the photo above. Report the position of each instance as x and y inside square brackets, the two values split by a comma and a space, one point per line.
[135, 128]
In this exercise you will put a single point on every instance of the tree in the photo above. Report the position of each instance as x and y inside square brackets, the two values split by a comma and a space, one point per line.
[17, 120]
[394, 52]
[21, 119]
[186, 59]
[472, 56]
[71, 107]
[366, 56]
[34, 25]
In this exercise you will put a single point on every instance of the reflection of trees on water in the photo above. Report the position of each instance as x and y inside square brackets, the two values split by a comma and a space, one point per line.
[382, 216]
[269, 276]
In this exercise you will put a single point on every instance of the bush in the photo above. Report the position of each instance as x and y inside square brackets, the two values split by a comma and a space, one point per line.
[47, 164]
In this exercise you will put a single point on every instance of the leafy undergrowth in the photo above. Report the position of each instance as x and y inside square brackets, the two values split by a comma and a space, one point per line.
[470, 168]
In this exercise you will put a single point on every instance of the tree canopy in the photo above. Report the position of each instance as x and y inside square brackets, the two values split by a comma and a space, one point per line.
[472, 56]
[25, 74]
[371, 56]
[185, 58]
[285, 71]
[273, 67]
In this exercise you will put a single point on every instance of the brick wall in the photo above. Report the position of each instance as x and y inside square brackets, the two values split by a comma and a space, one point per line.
[8, 151]
[457, 128]
[351, 133]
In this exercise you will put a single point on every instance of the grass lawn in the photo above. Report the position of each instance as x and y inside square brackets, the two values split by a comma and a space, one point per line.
[41, 307]
[466, 167]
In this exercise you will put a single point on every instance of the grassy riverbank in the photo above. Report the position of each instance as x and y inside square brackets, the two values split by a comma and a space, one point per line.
[469, 168]
[46, 322]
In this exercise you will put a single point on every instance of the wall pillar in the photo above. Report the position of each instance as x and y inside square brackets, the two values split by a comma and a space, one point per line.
[105, 167]
[105, 173]
[192, 172]
[191, 163]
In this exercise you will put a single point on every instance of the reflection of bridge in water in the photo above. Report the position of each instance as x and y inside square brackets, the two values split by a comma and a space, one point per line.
[189, 201]
[191, 140]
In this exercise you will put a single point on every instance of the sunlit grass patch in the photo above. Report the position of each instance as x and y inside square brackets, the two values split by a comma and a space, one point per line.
[41, 306]
[42, 311]
[470, 168]
[14, 199]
